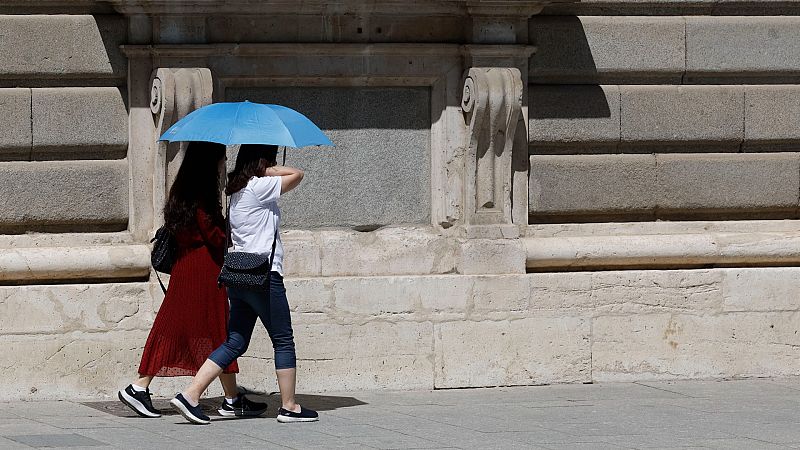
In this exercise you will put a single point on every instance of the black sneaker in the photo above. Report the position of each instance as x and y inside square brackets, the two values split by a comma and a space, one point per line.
[138, 401]
[305, 415]
[191, 413]
[242, 407]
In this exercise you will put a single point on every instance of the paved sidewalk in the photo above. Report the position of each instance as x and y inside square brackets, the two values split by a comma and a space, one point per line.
[746, 414]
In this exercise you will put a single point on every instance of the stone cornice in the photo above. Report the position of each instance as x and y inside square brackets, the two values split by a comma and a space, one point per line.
[502, 8]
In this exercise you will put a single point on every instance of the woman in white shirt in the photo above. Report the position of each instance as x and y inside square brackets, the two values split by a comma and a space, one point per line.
[255, 185]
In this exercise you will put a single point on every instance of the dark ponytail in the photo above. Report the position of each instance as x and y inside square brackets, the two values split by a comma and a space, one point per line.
[252, 161]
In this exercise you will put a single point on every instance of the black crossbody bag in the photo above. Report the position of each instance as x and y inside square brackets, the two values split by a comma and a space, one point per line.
[242, 270]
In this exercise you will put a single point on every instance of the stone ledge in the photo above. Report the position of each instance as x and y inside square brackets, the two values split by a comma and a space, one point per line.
[75, 263]
[663, 251]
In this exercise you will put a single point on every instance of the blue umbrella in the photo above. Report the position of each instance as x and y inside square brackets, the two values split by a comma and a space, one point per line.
[247, 123]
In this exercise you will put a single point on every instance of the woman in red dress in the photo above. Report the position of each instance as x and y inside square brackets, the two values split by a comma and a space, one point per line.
[192, 320]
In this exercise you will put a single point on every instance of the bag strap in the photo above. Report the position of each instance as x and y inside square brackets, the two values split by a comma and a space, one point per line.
[161, 283]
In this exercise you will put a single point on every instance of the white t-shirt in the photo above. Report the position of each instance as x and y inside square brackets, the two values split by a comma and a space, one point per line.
[255, 216]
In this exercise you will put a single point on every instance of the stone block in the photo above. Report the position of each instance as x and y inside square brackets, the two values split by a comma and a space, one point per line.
[371, 355]
[587, 49]
[573, 115]
[659, 115]
[516, 352]
[301, 253]
[772, 115]
[15, 128]
[373, 296]
[501, 293]
[52, 46]
[387, 251]
[558, 291]
[673, 346]
[491, 256]
[757, 289]
[567, 185]
[80, 123]
[63, 309]
[742, 47]
[728, 182]
[70, 196]
[378, 173]
[642, 292]
[76, 365]
[309, 295]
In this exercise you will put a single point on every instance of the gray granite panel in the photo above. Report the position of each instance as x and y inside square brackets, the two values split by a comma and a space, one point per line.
[379, 171]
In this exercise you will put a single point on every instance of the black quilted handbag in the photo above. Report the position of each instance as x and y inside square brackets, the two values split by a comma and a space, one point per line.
[250, 271]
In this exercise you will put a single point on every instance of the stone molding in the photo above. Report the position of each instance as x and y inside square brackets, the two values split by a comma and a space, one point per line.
[109, 262]
[503, 8]
[663, 251]
[492, 105]
[174, 94]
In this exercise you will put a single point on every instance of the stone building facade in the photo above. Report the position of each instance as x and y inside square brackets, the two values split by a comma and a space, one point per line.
[522, 192]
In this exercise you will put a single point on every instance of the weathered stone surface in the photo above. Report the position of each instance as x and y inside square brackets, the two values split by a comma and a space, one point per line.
[598, 49]
[378, 173]
[376, 295]
[669, 346]
[79, 365]
[68, 308]
[724, 182]
[501, 293]
[526, 351]
[772, 289]
[628, 292]
[742, 46]
[573, 115]
[309, 295]
[90, 123]
[77, 196]
[591, 183]
[50, 46]
[373, 355]
[660, 115]
[301, 253]
[772, 115]
[387, 251]
[491, 256]
[15, 128]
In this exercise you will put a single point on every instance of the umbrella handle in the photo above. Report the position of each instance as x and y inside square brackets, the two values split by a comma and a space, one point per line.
[284, 156]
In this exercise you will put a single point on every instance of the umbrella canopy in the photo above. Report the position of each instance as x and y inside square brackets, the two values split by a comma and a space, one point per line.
[247, 123]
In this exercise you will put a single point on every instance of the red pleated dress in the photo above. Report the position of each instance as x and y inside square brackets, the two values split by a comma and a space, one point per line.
[193, 318]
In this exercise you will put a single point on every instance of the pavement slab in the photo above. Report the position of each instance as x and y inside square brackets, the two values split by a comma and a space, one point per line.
[726, 414]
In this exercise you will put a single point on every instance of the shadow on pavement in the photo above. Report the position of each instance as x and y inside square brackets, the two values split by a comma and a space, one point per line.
[210, 405]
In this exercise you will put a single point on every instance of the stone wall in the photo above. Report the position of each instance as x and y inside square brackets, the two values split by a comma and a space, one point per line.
[64, 136]
[685, 117]
[616, 203]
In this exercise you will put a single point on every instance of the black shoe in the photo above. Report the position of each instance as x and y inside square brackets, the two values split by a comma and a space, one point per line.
[138, 401]
[305, 415]
[242, 407]
[191, 413]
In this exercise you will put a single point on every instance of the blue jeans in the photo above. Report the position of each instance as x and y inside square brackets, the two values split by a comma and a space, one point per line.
[273, 310]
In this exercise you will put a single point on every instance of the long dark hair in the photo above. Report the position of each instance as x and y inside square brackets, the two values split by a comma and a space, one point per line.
[252, 161]
[196, 186]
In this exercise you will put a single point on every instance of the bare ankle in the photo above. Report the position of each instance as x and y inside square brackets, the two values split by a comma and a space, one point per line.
[294, 407]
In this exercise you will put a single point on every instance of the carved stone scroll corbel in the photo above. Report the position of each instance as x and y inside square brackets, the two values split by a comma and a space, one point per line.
[492, 104]
[174, 94]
